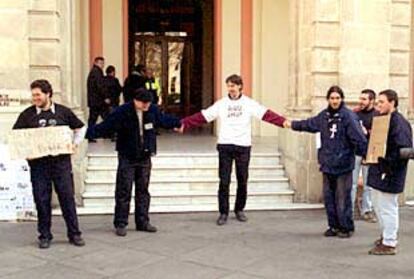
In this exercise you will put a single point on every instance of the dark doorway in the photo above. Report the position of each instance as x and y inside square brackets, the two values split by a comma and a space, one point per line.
[175, 40]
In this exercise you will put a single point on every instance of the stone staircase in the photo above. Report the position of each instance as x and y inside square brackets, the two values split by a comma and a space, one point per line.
[189, 183]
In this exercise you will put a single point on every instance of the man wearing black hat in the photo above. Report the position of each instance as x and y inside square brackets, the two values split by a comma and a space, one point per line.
[134, 123]
[52, 169]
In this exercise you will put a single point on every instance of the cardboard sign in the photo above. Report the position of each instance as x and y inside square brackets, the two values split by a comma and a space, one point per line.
[377, 146]
[39, 142]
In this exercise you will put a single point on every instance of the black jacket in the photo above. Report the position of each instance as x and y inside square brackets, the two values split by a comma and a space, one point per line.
[124, 121]
[390, 173]
[112, 89]
[341, 138]
[96, 97]
[132, 83]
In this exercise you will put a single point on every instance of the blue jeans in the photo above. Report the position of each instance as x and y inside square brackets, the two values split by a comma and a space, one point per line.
[366, 195]
[337, 197]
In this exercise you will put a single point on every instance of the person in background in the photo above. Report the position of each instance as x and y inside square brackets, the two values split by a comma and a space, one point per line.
[365, 112]
[97, 101]
[135, 80]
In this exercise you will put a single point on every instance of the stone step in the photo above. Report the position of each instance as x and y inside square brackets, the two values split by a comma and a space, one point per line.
[109, 192]
[281, 197]
[98, 210]
[253, 185]
[191, 159]
[190, 183]
[109, 172]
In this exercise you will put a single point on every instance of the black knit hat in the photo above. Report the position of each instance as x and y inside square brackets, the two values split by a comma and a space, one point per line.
[143, 95]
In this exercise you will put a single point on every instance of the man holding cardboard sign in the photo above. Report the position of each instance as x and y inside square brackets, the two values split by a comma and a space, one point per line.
[387, 176]
[52, 169]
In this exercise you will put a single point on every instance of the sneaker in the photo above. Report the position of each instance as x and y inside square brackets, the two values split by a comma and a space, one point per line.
[222, 219]
[44, 243]
[369, 217]
[121, 231]
[330, 232]
[381, 250]
[147, 228]
[77, 240]
[241, 216]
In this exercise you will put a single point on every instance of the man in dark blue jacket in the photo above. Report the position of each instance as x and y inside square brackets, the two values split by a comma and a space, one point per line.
[135, 124]
[387, 178]
[341, 137]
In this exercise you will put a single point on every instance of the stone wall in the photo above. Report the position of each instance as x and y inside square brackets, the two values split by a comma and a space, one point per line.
[36, 41]
[354, 44]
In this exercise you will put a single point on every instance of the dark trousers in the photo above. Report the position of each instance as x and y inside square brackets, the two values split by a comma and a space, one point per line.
[95, 112]
[240, 154]
[338, 202]
[128, 172]
[44, 172]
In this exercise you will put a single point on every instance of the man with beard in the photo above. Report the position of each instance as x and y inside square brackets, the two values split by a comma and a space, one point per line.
[365, 112]
[235, 111]
[387, 177]
[52, 169]
[341, 135]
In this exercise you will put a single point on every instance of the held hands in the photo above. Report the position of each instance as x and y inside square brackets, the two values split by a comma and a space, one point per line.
[287, 124]
[179, 130]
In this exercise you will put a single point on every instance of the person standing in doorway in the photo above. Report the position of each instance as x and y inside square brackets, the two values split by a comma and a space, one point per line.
[97, 101]
[135, 80]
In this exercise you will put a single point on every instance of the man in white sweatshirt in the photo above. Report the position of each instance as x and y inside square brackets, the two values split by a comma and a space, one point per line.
[235, 112]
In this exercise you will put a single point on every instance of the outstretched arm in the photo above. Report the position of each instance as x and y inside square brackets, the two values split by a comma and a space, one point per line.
[164, 120]
[311, 125]
[111, 124]
[274, 118]
[200, 118]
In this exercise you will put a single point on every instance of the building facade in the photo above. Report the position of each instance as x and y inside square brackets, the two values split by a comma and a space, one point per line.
[289, 53]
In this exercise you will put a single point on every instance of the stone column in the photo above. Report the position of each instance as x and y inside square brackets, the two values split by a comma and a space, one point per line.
[14, 60]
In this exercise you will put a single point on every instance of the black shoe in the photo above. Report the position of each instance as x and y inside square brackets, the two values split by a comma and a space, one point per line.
[331, 232]
[241, 216]
[222, 219]
[77, 240]
[44, 243]
[345, 234]
[121, 231]
[147, 228]
[91, 140]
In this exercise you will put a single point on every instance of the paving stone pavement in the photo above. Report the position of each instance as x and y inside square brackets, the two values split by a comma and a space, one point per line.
[272, 244]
